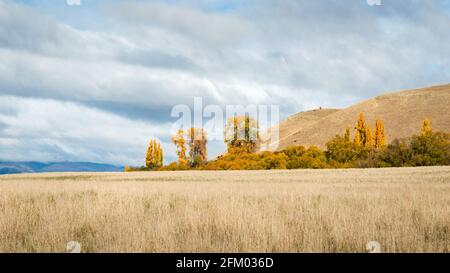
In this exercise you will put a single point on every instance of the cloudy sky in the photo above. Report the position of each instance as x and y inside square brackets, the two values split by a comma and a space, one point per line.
[91, 80]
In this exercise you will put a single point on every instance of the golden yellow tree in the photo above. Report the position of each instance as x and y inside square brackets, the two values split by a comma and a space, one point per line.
[368, 138]
[158, 155]
[180, 142]
[154, 156]
[357, 139]
[426, 127]
[361, 129]
[149, 160]
[197, 141]
[380, 135]
[161, 156]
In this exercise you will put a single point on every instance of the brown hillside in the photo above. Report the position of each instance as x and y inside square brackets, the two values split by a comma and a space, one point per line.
[297, 122]
[401, 112]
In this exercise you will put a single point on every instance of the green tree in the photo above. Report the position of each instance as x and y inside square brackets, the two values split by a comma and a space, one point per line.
[430, 149]
[347, 134]
[341, 150]
[311, 158]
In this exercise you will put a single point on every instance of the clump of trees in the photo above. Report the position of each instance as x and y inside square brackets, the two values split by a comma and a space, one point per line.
[154, 158]
[195, 139]
[343, 153]
[363, 134]
[427, 149]
[368, 149]
[241, 134]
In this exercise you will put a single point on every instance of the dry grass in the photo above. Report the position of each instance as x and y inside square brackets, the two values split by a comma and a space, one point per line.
[406, 210]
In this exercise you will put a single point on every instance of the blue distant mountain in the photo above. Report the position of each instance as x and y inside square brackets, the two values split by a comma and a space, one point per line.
[40, 167]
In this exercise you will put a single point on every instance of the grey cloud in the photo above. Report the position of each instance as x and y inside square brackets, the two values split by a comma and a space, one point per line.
[133, 111]
[49, 129]
[197, 26]
[159, 59]
[148, 57]
[24, 29]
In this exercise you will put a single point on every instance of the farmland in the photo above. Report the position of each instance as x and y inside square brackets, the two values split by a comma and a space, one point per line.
[405, 209]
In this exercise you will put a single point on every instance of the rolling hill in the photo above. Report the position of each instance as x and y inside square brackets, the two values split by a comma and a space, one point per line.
[402, 113]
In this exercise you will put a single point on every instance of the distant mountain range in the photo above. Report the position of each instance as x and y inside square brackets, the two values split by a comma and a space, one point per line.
[39, 167]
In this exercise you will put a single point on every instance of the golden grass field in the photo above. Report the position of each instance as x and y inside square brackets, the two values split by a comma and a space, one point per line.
[406, 210]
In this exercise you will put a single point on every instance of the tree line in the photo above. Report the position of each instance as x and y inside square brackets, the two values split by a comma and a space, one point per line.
[368, 149]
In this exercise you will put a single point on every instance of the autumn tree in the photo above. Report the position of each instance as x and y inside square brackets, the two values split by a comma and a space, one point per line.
[347, 134]
[357, 139]
[241, 134]
[197, 141]
[361, 130]
[180, 142]
[426, 127]
[340, 150]
[159, 155]
[380, 136]
[363, 136]
[154, 158]
[368, 138]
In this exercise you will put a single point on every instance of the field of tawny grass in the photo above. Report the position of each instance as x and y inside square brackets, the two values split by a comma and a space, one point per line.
[406, 210]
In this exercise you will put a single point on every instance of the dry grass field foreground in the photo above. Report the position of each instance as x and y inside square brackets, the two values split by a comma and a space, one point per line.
[406, 210]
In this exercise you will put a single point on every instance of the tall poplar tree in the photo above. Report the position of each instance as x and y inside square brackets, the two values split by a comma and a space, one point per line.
[380, 135]
[154, 156]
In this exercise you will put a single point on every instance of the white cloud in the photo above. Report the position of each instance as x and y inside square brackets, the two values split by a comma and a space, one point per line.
[73, 2]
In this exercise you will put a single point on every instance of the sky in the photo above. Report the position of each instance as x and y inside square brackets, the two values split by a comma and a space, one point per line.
[92, 80]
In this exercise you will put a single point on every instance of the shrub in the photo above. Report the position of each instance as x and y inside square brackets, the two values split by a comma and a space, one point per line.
[271, 161]
[430, 149]
[294, 151]
[175, 166]
[397, 154]
[341, 151]
[313, 158]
